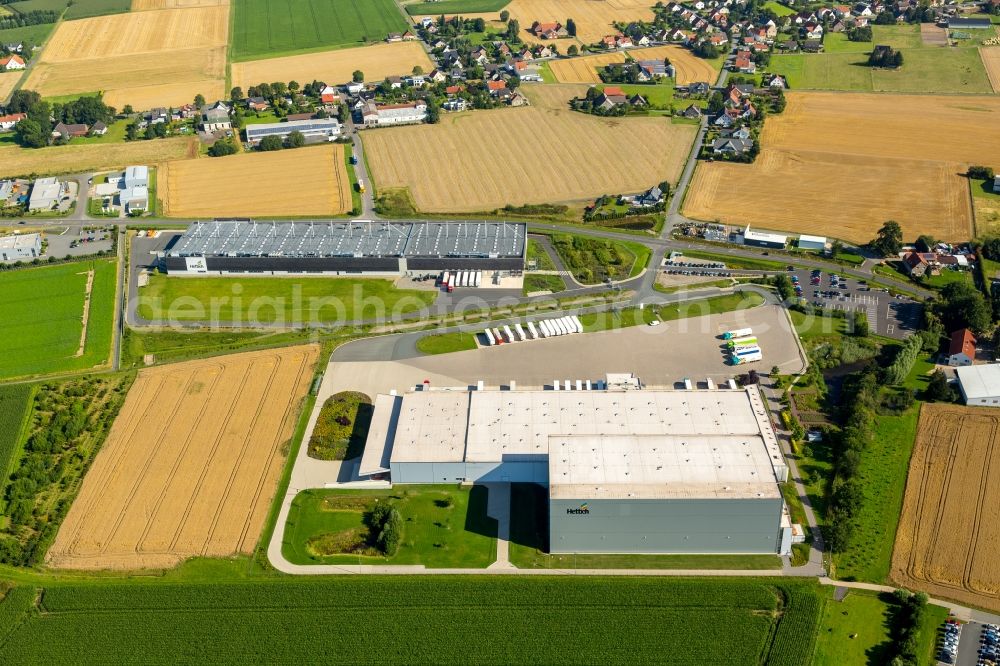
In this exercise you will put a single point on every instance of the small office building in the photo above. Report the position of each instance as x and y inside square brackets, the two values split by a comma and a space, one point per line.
[812, 242]
[20, 247]
[764, 239]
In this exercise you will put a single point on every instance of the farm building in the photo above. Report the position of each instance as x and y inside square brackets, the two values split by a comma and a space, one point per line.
[374, 115]
[764, 239]
[627, 471]
[346, 247]
[969, 24]
[980, 384]
[812, 242]
[317, 129]
[20, 246]
[962, 349]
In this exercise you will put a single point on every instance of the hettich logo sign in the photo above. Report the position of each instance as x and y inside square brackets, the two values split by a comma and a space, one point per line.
[582, 511]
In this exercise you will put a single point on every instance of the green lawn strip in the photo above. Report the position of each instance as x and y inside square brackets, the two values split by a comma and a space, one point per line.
[853, 632]
[15, 408]
[795, 508]
[602, 321]
[352, 176]
[177, 345]
[443, 526]
[270, 300]
[456, 7]
[534, 283]
[882, 473]
[87, 8]
[32, 34]
[659, 95]
[946, 277]
[529, 538]
[415, 619]
[733, 261]
[341, 427]
[266, 28]
[41, 317]
[778, 9]
[721, 284]
[445, 343]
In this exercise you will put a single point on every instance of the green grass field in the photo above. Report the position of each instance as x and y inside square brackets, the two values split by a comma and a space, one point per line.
[779, 9]
[40, 318]
[856, 631]
[529, 534]
[445, 343]
[269, 300]
[31, 34]
[535, 282]
[443, 526]
[85, 8]
[456, 7]
[926, 69]
[416, 619]
[25, 6]
[659, 95]
[263, 28]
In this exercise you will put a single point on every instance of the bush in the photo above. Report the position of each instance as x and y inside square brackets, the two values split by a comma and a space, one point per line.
[391, 534]
[981, 173]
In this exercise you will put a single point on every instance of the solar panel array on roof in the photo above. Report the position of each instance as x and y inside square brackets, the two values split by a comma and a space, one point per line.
[358, 238]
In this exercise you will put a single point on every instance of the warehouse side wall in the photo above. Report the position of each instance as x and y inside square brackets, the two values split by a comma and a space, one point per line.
[665, 526]
[451, 472]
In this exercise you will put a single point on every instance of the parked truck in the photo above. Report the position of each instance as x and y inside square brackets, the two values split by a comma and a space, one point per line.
[747, 357]
[489, 338]
[738, 333]
[532, 331]
[736, 342]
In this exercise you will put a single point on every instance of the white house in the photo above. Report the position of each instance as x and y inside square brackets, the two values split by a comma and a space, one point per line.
[962, 350]
[12, 62]
[7, 122]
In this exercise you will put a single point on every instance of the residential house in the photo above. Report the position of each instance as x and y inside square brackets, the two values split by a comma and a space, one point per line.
[545, 52]
[637, 101]
[724, 120]
[731, 146]
[918, 264]
[551, 30]
[156, 116]
[395, 82]
[811, 46]
[743, 63]
[494, 87]
[654, 69]
[455, 104]
[258, 103]
[409, 36]
[8, 121]
[693, 112]
[329, 95]
[699, 88]
[861, 9]
[437, 76]
[98, 129]
[996, 184]
[480, 55]
[416, 80]
[777, 82]
[12, 62]
[216, 118]
[651, 197]
[355, 87]
[611, 97]
[813, 30]
[394, 37]
[962, 349]
[64, 131]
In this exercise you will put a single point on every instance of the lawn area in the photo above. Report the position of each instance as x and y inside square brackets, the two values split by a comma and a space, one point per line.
[543, 262]
[698, 285]
[552, 620]
[266, 28]
[856, 631]
[274, 300]
[115, 134]
[946, 277]
[456, 7]
[882, 473]
[659, 95]
[443, 526]
[29, 34]
[899, 36]
[534, 282]
[41, 312]
[778, 9]
[986, 204]
[85, 8]
[935, 70]
[602, 321]
[168, 346]
[837, 42]
[824, 71]
[529, 536]
[445, 343]
[341, 427]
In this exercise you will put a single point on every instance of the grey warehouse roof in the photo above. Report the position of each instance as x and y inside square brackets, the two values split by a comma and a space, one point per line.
[356, 238]
[281, 129]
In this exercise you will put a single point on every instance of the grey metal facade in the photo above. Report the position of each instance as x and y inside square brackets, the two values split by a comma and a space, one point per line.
[480, 472]
[739, 526]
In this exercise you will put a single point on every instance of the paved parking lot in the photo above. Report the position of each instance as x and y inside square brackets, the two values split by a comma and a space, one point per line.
[76, 242]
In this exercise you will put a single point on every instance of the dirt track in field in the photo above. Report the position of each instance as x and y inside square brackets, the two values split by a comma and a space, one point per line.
[305, 181]
[190, 465]
[377, 62]
[584, 70]
[544, 153]
[841, 164]
[146, 59]
[948, 533]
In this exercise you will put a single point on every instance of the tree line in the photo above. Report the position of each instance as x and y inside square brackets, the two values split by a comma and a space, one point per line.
[35, 131]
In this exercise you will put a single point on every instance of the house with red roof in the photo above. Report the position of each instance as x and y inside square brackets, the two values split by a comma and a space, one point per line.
[962, 349]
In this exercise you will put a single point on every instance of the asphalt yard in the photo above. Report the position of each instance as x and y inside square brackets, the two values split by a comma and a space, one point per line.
[661, 355]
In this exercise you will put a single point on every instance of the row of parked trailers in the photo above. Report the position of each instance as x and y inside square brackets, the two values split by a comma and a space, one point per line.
[743, 346]
[547, 328]
[451, 279]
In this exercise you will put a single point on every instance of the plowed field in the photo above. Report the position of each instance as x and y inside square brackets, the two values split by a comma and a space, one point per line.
[842, 164]
[991, 60]
[584, 70]
[305, 181]
[948, 533]
[543, 153]
[377, 62]
[142, 58]
[146, 5]
[190, 465]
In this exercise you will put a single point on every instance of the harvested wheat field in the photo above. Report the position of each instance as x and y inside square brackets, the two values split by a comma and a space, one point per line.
[17, 161]
[541, 153]
[146, 59]
[191, 463]
[146, 5]
[948, 532]
[991, 61]
[7, 82]
[584, 69]
[377, 62]
[304, 181]
[841, 164]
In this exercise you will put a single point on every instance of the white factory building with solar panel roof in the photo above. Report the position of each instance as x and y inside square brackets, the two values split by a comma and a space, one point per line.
[627, 471]
[339, 247]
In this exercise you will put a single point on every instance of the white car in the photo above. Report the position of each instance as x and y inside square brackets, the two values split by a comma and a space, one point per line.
[655, 322]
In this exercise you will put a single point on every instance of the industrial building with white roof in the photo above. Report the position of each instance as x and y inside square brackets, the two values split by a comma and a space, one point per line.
[628, 471]
[346, 246]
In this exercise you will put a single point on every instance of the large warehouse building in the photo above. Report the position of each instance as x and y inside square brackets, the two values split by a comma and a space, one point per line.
[628, 471]
[336, 247]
